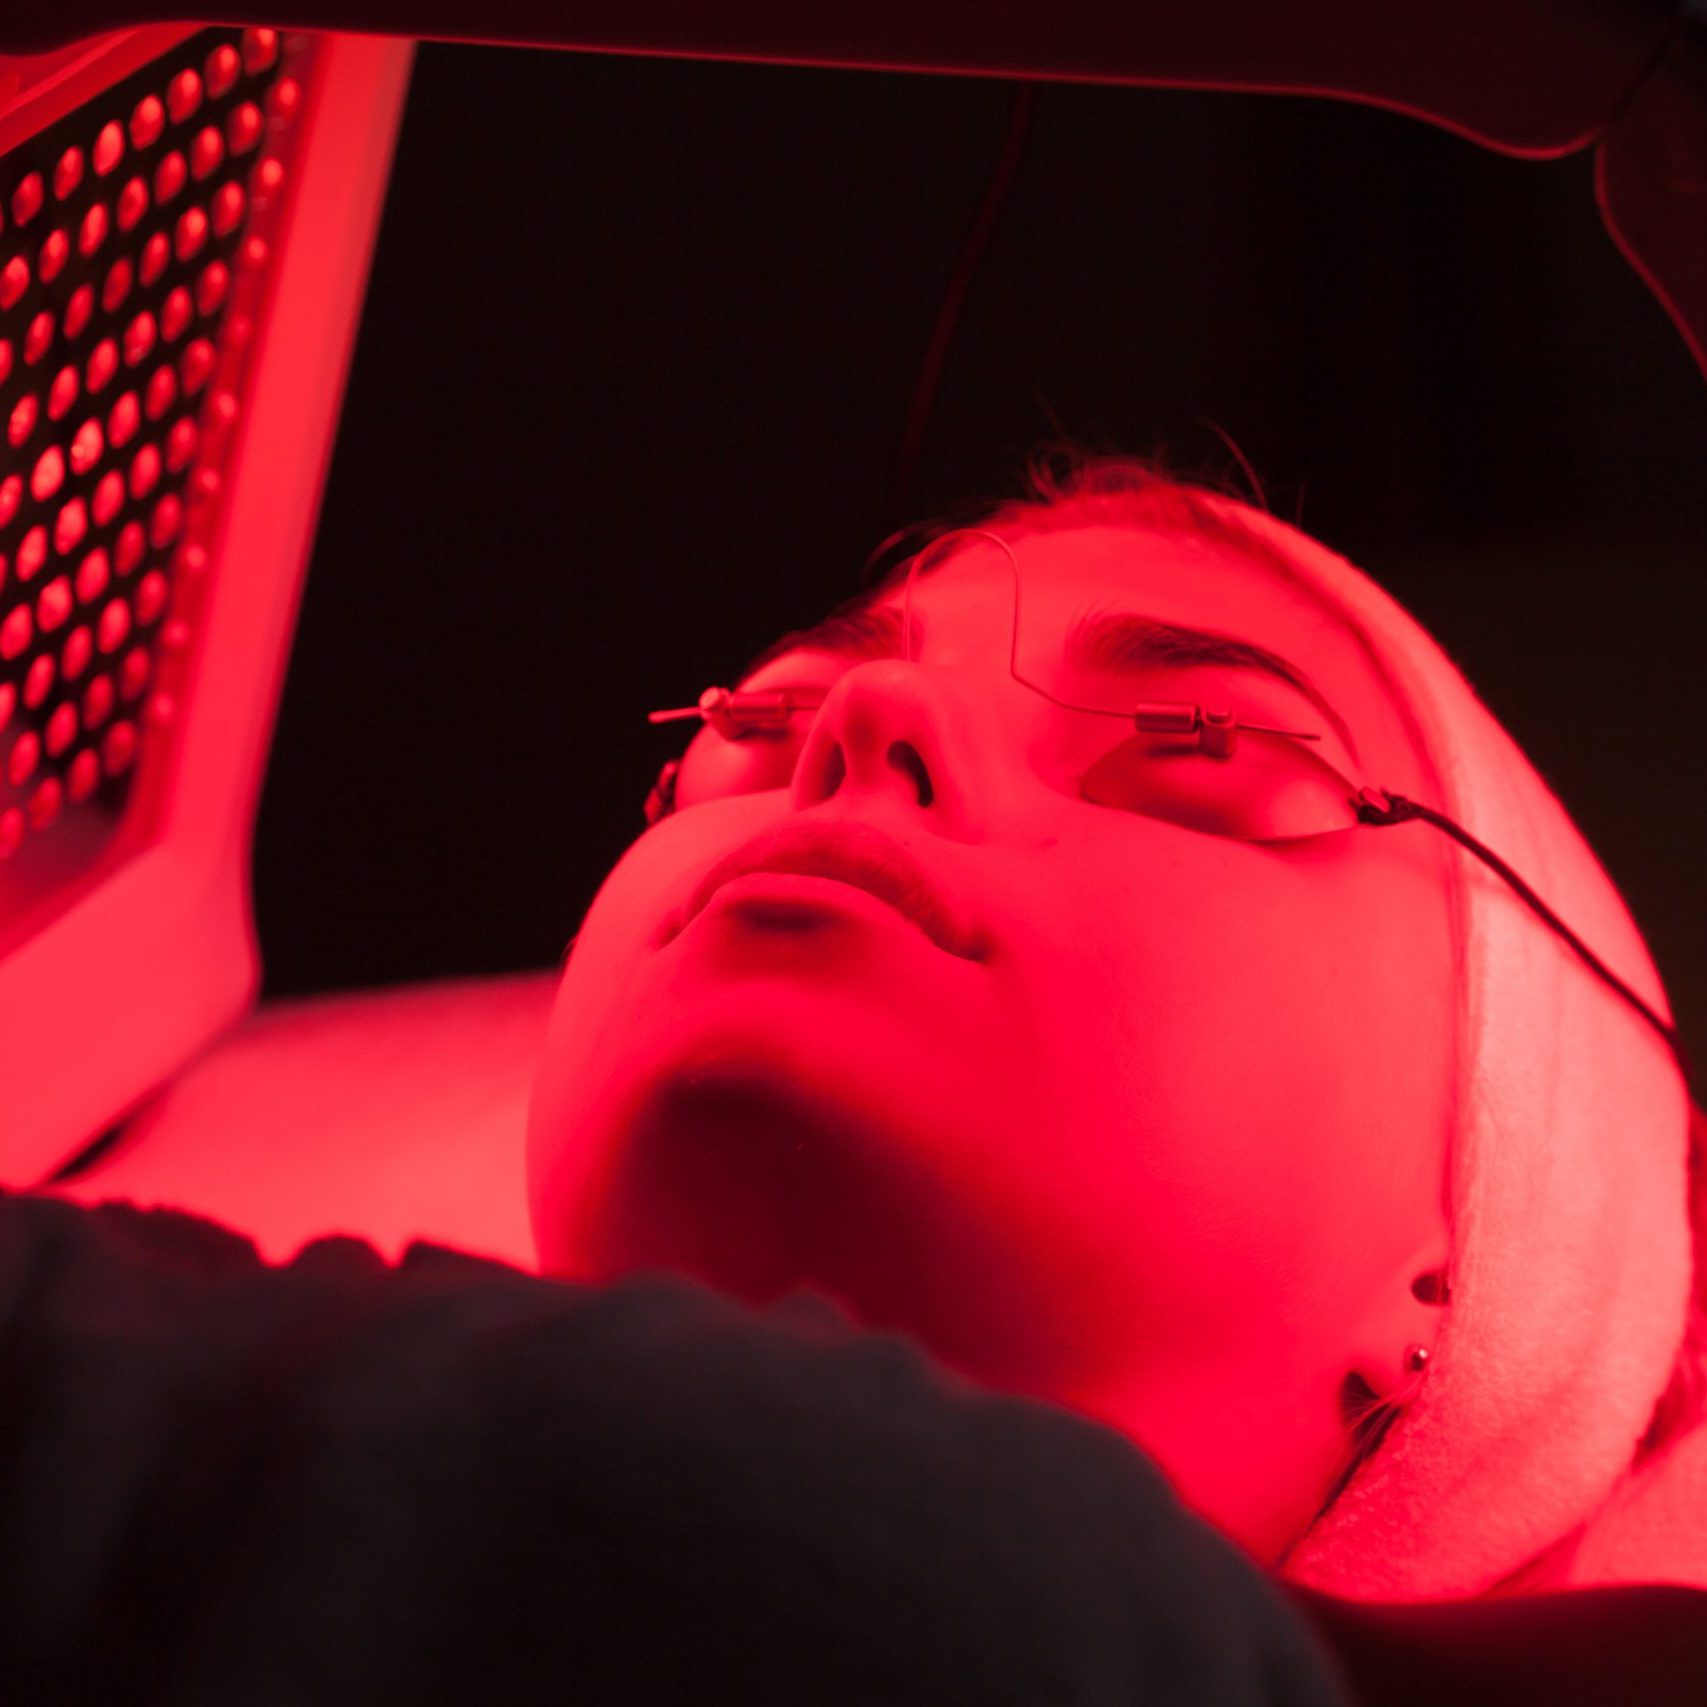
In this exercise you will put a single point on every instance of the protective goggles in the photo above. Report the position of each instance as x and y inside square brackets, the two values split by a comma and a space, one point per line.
[1199, 768]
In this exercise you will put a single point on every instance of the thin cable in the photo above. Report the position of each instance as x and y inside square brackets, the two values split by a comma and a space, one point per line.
[1399, 809]
[954, 300]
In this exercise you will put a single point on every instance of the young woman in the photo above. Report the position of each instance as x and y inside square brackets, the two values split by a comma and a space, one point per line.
[1158, 1129]
[1019, 967]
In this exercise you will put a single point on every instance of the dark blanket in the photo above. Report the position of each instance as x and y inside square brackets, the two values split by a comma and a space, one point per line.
[341, 1482]
[337, 1481]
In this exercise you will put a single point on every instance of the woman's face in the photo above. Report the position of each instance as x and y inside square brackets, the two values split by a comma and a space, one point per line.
[1129, 1114]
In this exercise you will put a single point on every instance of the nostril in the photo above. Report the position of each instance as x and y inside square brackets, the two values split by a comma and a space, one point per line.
[831, 772]
[905, 758]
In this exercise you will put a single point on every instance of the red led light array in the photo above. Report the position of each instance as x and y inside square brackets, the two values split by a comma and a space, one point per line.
[135, 241]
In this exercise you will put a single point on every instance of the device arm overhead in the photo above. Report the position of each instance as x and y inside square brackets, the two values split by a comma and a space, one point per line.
[1534, 78]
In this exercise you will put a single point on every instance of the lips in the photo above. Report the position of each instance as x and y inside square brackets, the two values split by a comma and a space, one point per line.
[847, 852]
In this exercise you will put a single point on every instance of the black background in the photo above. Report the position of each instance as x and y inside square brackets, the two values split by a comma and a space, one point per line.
[632, 373]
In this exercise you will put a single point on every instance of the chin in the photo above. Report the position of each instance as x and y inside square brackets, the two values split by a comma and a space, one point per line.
[757, 1186]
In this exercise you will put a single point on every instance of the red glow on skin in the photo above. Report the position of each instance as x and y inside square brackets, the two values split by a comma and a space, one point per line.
[1169, 1151]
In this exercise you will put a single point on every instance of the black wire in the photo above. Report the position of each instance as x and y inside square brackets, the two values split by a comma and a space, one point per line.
[953, 301]
[1400, 809]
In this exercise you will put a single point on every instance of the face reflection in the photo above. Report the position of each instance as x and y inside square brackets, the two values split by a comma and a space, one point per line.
[1151, 1123]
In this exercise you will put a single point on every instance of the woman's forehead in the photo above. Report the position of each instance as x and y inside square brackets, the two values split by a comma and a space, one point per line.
[964, 592]
[1186, 581]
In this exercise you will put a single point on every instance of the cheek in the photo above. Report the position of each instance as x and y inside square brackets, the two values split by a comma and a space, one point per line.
[656, 875]
[1241, 1059]
[592, 1008]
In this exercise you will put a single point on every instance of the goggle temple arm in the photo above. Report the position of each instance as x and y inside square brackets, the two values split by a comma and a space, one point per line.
[1376, 807]
[1379, 808]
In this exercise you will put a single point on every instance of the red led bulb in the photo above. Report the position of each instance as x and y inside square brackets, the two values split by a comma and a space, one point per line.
[244, 126]
[61, 729]
[150, 596]
[84, 774]
[48, 475]
[133, 673]
[68, 174]
[180, 444]
[70, 526]
[62, 394]
[175, 313]
[161, 392]
[212, 287]
[92, 576]
[222, 68]
[207, 152]
[156, 252]
[123, 419]
[92, 233]
[43, 806]
[227, 208]
[74, 656]
[53, 605]
[27, 199]
[109, 497]
[39, 338]
[32, 553]
[77, 312]
[166, 520]
[147, 121]
[38, 682]
[128, 547]
[22, 761]
[183, 95]
[113, 627]
[109, 148]
[144, 471]
[87, 446]
[139, 338]
[14, 280]
[118, 748]
[55, 252]
[191, 233]
[132, 203]
[260, 49]
[22, 421]
[97, 702]
[169, 177]
[103, 363]
[16, 632]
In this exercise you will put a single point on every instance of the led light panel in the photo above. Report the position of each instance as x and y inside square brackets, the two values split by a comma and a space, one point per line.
[186, 219]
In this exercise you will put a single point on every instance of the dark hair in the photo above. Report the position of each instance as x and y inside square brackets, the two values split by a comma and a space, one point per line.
[1066, 487]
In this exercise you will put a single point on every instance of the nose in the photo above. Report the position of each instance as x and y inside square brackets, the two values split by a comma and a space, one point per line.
[892, 731]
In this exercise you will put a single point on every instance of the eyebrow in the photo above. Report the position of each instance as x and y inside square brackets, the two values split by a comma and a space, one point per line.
[1127, 642]
[864, 632]
[1123, 641]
